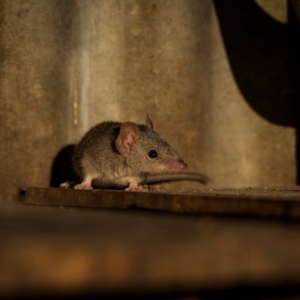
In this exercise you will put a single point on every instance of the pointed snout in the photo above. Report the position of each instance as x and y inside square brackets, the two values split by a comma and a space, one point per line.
[182, 164]
[177, 164]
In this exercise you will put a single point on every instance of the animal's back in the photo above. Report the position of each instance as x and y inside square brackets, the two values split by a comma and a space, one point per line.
[96, 148]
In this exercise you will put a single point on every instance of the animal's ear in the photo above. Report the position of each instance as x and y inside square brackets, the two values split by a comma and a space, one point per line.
[149, 122]
[129, 133]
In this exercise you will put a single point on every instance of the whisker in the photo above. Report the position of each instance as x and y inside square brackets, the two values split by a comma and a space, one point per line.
[179, 148]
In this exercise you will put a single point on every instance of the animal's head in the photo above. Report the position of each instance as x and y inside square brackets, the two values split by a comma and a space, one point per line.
[145, 150]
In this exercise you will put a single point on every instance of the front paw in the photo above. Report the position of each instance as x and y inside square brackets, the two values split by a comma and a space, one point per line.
[83, 186]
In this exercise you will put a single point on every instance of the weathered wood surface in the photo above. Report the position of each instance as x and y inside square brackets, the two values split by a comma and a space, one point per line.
[265, 202]
[71, 252]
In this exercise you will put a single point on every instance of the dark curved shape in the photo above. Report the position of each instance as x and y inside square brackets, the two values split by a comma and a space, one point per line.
[294, 63]
[258, 51]
[62, 169]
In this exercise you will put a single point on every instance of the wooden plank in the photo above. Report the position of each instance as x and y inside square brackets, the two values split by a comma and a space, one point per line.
[71, 252]
[279, 203]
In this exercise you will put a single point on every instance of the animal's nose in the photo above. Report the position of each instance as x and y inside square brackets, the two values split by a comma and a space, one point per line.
[184, 165]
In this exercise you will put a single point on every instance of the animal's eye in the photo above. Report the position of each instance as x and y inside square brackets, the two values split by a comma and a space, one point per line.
[152, 154]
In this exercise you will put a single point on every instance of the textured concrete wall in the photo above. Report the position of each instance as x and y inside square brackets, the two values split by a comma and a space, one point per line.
[35, 115]
[250, 139]
[225, 105]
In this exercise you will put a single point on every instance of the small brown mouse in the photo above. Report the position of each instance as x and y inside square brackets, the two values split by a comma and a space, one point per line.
[114, 154]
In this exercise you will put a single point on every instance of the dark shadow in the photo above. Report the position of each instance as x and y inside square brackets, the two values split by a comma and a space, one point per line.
[62, 169]
[239, 289]
[263, 55]
[294, 64]
[257, 49]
